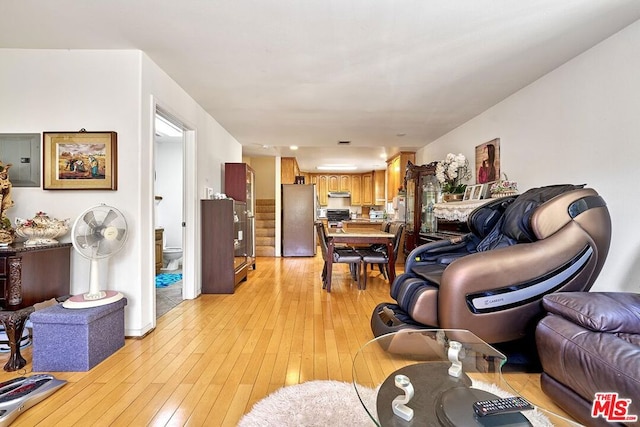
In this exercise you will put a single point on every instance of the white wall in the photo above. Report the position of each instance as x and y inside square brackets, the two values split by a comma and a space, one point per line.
[578, 124]
[265, 170]
[65, 90]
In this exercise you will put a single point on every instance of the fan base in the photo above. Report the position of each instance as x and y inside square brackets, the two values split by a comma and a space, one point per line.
[79, 301]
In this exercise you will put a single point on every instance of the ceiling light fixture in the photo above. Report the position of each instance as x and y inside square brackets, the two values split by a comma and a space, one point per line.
[165, 127]
[293, 147]
[337, 167]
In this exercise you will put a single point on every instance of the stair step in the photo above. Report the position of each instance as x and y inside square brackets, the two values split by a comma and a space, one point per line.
[265, 251]
[265, 209]
[265, 241]
[271, 202]
[265, 232]
[266, 216]
[265, 223]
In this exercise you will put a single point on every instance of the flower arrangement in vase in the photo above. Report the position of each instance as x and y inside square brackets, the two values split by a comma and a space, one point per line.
[451, 171]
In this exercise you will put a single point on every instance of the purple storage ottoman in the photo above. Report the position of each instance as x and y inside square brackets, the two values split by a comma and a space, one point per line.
[76, 339]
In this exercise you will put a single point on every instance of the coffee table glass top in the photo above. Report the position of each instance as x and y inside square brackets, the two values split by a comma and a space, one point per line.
[448, 371]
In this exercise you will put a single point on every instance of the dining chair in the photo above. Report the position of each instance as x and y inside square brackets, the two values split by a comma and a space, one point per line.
[380, 256]
[340, 255]
[381, 247]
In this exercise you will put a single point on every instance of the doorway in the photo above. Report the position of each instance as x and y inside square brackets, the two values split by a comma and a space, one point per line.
[169, 143]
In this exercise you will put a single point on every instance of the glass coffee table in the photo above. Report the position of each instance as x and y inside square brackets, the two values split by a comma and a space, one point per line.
[442, 372]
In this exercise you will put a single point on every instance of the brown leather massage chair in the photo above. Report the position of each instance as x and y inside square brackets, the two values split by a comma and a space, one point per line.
[491, 281]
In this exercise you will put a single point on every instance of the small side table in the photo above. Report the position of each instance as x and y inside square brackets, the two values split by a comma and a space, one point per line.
[13, 322]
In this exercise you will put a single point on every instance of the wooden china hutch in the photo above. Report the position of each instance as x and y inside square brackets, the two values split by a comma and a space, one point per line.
[415, 180]
[422, 226]
[239, 184]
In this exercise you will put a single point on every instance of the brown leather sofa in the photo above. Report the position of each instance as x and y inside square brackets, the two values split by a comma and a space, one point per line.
[588, 343]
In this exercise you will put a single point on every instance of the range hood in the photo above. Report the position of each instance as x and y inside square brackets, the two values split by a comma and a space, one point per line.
[339, 194]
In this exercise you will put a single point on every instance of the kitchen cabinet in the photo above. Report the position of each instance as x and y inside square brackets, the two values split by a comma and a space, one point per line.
[239, 184]
[396, 168]
[418, 177]
[367, 189]
[356, 190]
[288, 170]
[345, 182]
[378, 187]
[334, 182]
[224, 247]
[322, 188]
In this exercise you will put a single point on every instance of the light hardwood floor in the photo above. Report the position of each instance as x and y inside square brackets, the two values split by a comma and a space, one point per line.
[210, 359]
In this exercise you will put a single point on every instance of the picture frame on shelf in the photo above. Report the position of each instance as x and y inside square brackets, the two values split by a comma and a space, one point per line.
[474, 192]
[477, 191]
[468, 192]
[486, 190]
[80, 160]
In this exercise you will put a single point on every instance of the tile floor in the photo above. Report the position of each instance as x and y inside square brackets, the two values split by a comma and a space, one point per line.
[169, 297]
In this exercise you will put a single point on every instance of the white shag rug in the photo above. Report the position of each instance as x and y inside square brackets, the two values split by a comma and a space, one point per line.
[333, 403]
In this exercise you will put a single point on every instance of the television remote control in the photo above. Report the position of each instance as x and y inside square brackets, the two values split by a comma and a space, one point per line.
[501, 406]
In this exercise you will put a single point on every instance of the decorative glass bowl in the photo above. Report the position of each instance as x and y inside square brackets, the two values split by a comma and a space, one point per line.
[41, 230]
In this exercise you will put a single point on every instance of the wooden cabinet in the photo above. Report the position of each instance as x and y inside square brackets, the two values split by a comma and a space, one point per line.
[322, 189]
[345, 182]
[356, 190]
[396, 168]
[288, 170]
[367, 189]
[159, 246]
[32, 274]
[334, 182]
[224, 247]
[417, 179]
[378, 186]
[239, 184]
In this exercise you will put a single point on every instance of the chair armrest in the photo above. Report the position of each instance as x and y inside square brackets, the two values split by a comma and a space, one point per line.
[427, 253]
[614, 312]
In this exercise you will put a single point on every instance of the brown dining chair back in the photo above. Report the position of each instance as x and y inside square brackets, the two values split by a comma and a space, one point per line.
[380, 257]
[340, 255]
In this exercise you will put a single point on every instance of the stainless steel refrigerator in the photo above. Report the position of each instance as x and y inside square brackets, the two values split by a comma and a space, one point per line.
[298, 217]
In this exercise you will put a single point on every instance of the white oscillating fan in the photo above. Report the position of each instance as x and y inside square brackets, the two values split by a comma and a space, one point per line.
[99, 232]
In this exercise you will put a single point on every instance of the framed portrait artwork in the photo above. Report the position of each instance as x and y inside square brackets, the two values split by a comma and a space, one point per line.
[488, 161]
[80, 160]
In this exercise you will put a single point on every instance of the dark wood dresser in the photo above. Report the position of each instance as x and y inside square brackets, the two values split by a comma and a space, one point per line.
[29, 275]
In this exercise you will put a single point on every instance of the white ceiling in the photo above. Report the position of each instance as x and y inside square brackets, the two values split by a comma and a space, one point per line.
[387, 75]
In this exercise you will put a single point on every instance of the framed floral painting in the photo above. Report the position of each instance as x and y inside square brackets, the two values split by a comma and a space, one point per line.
[488, 161]
[80, 160]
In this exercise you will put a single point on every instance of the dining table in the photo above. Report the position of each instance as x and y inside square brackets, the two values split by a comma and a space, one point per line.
[359, 237]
